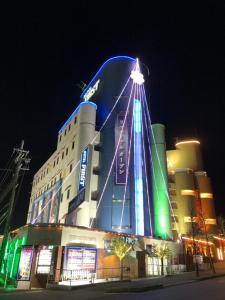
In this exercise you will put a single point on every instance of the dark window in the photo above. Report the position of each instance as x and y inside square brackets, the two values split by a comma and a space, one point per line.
[47, 171]
[60, 138]
[63, 155]
[172, 192]
[174, 219]
[68, 194]
[61, 198]
[54, 164]
[97, 147]
[174, 205]
[66, 151]
[71, 167]
[57, 160]
[75, 120]
[73, 143]
[69, 127]
[96, 171]
[65, 132]
[149, 250]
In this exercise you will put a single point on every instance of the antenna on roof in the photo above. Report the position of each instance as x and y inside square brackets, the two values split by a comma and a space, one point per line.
[82, 85]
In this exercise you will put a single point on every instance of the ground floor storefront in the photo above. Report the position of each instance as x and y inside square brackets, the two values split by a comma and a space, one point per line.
[66, 255]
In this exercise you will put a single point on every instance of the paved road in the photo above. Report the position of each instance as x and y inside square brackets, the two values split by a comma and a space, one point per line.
[207, 290]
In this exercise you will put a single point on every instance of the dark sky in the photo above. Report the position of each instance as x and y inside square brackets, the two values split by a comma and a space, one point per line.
[46, 50]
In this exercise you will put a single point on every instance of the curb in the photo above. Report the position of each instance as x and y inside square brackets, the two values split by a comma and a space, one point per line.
[211, 277]
[134, 289]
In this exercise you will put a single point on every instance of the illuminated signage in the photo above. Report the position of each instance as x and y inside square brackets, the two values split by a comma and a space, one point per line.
[90, 92]
[83, 169]
[80, 258]
[121, 158]
[44, 260]
[25, 263]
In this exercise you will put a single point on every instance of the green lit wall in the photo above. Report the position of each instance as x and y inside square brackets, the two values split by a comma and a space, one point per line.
[161, 213]
[11, 259]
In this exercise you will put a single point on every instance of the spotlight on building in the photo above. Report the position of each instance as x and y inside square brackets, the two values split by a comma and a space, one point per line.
[136, 75]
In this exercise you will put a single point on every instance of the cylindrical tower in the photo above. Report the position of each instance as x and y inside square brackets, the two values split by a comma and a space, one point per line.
[186, 198]
[190, 155]
[86, 121]
[206, 198]
[161, 212]
[86, 134]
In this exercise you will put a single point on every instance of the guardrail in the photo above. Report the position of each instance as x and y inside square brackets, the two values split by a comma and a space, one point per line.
[71, 277]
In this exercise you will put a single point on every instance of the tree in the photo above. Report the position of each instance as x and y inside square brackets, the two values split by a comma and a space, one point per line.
[221, 225]
[121, 246]
[161, 251]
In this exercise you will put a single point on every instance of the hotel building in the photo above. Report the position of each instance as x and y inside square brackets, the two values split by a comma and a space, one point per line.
[109, 176]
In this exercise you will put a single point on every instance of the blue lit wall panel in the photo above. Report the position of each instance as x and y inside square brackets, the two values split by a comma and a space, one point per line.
[113, 75]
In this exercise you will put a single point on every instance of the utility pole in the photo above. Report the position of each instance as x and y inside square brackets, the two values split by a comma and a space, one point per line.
[21, 162]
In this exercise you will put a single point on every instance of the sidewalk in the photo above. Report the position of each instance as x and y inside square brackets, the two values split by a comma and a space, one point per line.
[141, 285]
[144, 284]
[132, 286]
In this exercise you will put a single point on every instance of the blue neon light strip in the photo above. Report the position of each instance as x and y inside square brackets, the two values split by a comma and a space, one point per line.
[101, 68]
[90, 84]
[138, 177]
[75, 112]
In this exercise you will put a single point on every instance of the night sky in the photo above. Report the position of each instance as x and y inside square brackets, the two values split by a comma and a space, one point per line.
[46, 51]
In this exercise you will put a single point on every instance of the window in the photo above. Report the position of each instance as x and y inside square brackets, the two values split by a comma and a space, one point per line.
[71, 167]
[66, 151]
[69, 127]
[68, 194]
[63, 155]
[75, 120]
[57, 160]
[73, 143]
[61, 198]
[54, 164]
[65, 132]
[47, 171]
[174, 205]
[174, 219]
[60, 138]
[172, 192]
[188, 193]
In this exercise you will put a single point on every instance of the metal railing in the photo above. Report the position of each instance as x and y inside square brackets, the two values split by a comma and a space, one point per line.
[73, 277]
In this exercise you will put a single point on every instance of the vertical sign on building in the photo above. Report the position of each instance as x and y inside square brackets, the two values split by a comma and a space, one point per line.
[25, 263]
[83, 169]
[121, 157]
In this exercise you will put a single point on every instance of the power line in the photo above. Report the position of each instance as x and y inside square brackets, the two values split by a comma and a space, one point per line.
[20, 162]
